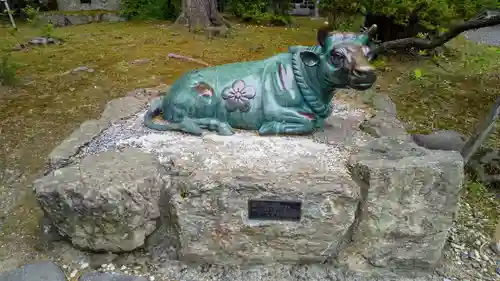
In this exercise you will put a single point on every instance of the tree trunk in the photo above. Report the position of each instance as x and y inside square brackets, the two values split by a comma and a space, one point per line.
[483, 20]
[199, 14]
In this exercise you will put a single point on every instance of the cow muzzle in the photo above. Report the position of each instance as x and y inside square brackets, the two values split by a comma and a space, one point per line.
[362, 78]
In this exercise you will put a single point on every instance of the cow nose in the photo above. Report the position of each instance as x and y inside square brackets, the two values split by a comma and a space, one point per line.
[367, 74]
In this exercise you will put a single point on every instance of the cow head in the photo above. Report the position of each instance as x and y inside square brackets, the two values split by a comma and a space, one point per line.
[344, 61]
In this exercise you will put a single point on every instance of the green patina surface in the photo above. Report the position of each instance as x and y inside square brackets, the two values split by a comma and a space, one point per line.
[288, 93]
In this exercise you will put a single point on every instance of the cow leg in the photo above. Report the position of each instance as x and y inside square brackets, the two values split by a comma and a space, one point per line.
[320, 123]
[189, 125]
[212, 124]
[278, 128]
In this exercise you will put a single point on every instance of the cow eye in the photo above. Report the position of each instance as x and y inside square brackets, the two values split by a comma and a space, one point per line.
[337, 58]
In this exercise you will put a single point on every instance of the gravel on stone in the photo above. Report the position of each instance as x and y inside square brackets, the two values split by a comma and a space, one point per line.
[132, 130]
[106, 276]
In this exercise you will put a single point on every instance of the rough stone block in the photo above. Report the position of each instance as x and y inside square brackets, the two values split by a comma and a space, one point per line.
[115, 110]
[60, 156]
[383, 124]
[410, 196]
[106, 202]
[205, 208]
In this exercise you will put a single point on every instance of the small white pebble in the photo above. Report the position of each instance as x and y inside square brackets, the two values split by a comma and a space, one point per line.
[84, 265]
[111, 266]
[123, 267]
[65, 266]
[152, 278]
[73, 273]
[477, 256]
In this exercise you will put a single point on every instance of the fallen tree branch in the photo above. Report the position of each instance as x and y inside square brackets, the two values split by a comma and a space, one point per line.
[184, 58]
[454, 31]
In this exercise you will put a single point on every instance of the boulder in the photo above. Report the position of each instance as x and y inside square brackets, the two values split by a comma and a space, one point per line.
[39, 271]
[384, 124]
[409, 199]
[105, 202]
[441, 140]
[380, 102]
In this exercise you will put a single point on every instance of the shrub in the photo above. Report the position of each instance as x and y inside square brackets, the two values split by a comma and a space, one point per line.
[150, 9]
[274, 12]
[8, 69]
[341, 13]
[406, 18]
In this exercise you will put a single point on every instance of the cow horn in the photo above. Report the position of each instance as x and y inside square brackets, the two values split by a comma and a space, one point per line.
[371, 31]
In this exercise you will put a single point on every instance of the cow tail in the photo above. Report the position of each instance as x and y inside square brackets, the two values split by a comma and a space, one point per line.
[153, 111]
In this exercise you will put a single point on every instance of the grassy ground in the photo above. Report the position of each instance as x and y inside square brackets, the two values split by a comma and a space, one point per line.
[48, 104]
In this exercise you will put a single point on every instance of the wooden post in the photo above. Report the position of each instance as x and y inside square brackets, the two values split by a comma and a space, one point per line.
[497, 234]
[316, 9]
[482, 131]
[9, 12]
[496, 240]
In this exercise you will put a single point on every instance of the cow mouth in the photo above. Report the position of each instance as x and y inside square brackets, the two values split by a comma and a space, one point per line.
[360, 86]
[361, 83]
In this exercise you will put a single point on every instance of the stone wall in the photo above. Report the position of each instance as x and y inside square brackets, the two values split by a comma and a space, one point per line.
[82, 5]
[60, 20]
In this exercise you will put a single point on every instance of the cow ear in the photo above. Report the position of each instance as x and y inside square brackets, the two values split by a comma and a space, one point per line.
[323, 33]
[309, 58]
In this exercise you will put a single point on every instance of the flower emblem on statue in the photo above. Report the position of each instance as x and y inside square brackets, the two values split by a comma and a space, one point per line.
[238, 96]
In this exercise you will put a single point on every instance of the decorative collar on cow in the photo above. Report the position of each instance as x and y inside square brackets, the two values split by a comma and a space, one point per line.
[289, 93]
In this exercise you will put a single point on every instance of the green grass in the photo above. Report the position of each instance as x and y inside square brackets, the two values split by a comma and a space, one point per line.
[47, 104]
[452, 92]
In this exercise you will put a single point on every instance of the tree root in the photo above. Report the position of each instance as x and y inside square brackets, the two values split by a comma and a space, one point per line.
[184, 58]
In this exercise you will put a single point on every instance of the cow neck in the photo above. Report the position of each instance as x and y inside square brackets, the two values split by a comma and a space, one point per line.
[313, 95]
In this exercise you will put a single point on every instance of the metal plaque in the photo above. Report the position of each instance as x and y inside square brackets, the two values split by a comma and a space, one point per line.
[281, 210]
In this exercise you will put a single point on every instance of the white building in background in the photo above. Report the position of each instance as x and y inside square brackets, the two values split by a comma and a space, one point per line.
[304, 8]
[81, 5]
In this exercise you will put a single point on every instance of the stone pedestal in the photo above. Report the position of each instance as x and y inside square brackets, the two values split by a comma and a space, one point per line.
[371, 198]
[205, 209]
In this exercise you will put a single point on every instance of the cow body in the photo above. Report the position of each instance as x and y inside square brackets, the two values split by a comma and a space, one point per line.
[284, 94]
